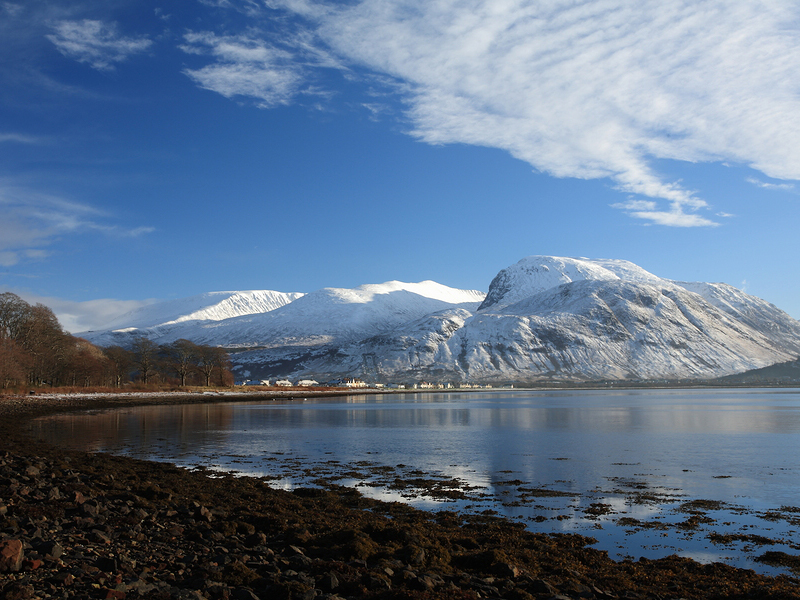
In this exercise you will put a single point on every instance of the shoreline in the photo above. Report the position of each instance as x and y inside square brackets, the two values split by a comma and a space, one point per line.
[95, 525]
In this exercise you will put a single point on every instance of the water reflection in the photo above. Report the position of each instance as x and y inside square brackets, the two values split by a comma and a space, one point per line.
[567, 461]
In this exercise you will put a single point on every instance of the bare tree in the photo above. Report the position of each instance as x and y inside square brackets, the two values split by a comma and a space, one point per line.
[223, 367]
[13, 360]
[119, 362]
[145, 357]
[207, 362]
[14, 312]
[85, 364]
[182, 357]
[46, 343]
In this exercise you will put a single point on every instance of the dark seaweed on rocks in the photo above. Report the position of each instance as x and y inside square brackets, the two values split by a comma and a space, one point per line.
[79, 525]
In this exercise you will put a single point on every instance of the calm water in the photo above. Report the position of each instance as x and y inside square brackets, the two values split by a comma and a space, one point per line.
[645, 473]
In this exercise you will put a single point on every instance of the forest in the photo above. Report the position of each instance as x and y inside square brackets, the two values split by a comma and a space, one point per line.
[35, 351]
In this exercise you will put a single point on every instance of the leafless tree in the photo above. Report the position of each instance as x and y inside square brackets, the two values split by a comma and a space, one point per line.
[119, 362]
[145, 357]
[13, 367]
[182, 357]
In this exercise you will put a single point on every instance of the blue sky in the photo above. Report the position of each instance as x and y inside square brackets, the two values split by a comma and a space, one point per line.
[155, 150]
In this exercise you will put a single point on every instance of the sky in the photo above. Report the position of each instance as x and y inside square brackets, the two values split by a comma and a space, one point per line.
[152, 150]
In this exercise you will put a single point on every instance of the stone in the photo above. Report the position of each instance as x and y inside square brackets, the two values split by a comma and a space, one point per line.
[202, 514]
[31, 564]
[255, 539]
[19, 591]
[328, 582]
[62, 578]
[11, 555]
[52, 550]
[540, 586]
[507, 570]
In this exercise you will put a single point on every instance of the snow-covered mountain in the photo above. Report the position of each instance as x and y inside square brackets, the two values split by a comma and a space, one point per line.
[536, 274]
[327, 316]
[544, 318]
[158, 320]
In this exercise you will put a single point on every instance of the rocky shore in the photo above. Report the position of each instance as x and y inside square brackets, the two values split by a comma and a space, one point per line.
[78, 525]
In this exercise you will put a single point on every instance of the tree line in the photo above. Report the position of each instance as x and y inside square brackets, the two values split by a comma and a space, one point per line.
[36, 351]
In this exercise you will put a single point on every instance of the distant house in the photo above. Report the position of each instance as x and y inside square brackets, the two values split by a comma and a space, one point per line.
[283, 383]
[353, 383]
[256, 382]
[307, 383]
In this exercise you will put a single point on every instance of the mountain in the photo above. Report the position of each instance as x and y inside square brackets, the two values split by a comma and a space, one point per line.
[327, 316]
[536, 274]
[158, 320]
[543, 319]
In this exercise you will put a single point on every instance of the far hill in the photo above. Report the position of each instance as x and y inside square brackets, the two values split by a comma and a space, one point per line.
[781, 373]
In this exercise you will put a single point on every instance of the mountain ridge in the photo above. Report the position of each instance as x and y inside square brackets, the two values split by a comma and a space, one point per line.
[543, 318]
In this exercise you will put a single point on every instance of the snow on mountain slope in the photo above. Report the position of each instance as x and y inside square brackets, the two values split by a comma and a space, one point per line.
[535, 274]
[412, 350]
[565, 319]
[599, 329]
[337, 315]
[582, 330]
[544, 318]
[322, 317]
[748, 309]
[159, 318]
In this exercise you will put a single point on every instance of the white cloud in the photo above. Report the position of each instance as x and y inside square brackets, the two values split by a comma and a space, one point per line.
[244, 67]
[32, 220]
[770, 186]
[674, 217]
[637, 205]
[595, 89]
[77, 317]
[96, 43]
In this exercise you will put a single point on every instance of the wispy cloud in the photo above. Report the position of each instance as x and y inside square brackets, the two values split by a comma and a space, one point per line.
[32, 221]
[77, 317]
[244, 66]
[20, 138]
[248, 65]
[12, 8]
[592, 89]
[770, 186]
[96, 43]
[675, 216]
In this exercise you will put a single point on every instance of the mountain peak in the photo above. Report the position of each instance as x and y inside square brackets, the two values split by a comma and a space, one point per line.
[535, 274]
